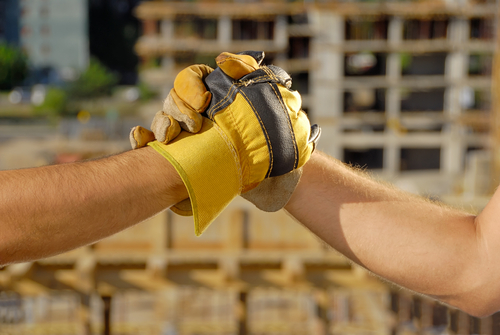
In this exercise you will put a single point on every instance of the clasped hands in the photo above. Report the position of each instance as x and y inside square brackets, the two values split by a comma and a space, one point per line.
[244, 133]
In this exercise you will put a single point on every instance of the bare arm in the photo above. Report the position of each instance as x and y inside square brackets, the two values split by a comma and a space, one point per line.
[426, 247]
[417, 244]
[49, 210]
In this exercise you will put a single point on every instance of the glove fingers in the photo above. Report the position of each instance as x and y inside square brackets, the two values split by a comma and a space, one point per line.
[140, 137]
[165, 127]
[236, 66]
[190, 120]
[191, 89]
[273, 194]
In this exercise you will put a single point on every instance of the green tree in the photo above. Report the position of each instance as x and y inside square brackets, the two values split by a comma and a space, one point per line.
[55, 103]
[145, 92]
[13, 66]
[94, 82]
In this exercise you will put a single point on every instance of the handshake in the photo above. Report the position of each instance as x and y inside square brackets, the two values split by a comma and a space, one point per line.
[244, 134]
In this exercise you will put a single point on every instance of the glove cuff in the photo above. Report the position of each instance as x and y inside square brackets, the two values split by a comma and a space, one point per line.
[210, 169]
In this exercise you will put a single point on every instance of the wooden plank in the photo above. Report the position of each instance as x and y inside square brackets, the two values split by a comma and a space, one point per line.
[158, 10]
[149, 237]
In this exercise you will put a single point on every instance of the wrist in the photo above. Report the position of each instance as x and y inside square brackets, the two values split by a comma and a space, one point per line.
[310, 170]
[163, 178]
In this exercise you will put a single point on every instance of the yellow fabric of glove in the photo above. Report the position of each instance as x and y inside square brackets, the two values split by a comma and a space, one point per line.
[254, 129]
[209, 168]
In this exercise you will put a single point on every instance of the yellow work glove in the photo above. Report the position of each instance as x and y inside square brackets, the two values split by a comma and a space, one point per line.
[254, 129]
[181, 109]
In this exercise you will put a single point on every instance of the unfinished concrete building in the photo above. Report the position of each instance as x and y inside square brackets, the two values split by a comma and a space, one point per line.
[402, 88]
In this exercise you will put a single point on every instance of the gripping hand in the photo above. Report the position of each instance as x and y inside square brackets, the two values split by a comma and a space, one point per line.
[181, 109]
[253, 136]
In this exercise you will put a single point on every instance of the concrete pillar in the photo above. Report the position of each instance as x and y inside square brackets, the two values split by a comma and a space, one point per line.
[332, 28]
[395, 30]
[167, 29]
[391, 156]
[458, 30]
[393, 68]
[224, 30]
[327, 81]
[393, 100]
[452, 151]
[456, 66]
[280, 37]
[167, 34]
[392, 146]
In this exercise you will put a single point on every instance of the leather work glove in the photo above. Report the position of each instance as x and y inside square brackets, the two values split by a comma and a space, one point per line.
[252, 138]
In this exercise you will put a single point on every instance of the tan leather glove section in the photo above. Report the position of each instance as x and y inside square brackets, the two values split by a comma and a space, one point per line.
[181, 109]
[188, 99]
[190, 96]
[236, 66]
[272, 194]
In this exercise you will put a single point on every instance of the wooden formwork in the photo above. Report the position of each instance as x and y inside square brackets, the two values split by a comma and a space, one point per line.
[352, 304]
[158, 277]
[241, 227]
[262, 273]
[191, 310]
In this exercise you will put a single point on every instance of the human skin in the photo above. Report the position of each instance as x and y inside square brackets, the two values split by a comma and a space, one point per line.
[52, 209]
[423, 246]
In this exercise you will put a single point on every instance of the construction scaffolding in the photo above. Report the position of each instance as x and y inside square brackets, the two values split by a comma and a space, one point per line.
[403, 88]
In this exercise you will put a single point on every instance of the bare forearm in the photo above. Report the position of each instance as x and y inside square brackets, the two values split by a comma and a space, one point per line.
[426, 247]
[48, 210]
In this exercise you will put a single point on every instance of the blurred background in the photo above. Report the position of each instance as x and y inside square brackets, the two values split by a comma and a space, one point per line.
[403, 89]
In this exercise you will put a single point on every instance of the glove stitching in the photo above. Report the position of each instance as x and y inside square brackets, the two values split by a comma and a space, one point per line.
[256, 80]
[269, 72]
[280, 80]
[235, 156]
[211, 112]
[289, 126]
[230, 112]
[280, 98]
[274, 76]
[268, 140]
[223, 100]
[261, 79]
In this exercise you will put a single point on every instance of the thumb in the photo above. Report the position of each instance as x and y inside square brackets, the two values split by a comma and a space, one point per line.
[236, 66]
[140, 137]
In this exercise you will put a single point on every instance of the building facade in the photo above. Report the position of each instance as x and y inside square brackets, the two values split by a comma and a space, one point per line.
[54, 33]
